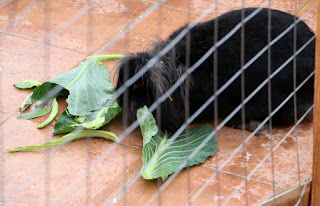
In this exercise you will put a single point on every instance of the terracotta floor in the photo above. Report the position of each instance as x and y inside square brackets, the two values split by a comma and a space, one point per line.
[60, 176]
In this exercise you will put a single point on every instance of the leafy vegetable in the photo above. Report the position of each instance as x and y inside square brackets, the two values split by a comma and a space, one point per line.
[161, 159]
[64, 123]
[90, 104]
[80, 119]
[67, 123]
[38, 112]
[89, 86]
[27, 102]
[68, 138]
[54, 112]
[27, 84]
[147, 124]
[104, 115]
[48, 91]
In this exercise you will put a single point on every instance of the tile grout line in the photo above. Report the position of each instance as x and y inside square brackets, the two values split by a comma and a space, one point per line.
[39, 41]
[6, 119]
[7, 113]
[242, 177]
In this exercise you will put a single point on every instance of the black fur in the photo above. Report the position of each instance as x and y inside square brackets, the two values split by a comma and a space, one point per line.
[171, 66]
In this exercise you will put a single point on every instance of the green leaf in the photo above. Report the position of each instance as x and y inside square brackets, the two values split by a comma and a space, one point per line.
[47, 91]
[161, 159]
[102, 116]
[68, 138]
[27, 102]
[53, 114]
[27, 84]
[80, 119]
[147, 124]
[67, 123]
[89, 87]
[64, 123]
[38, 112]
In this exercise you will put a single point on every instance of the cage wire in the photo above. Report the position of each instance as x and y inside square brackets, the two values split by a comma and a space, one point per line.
[91, 164]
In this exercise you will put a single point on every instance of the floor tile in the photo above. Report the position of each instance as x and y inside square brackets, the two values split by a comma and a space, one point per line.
[4, 117]
[49, 173]
[201, 6]
[284, 158]
[18, 64]
[47, 176]
[179, 190]
[86, 34]
[134, 139]
[144, 34]
[161, 23]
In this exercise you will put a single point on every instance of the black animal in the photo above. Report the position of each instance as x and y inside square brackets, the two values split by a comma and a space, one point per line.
[165, 72]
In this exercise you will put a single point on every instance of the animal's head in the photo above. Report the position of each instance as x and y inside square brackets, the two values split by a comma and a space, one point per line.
[158, 78]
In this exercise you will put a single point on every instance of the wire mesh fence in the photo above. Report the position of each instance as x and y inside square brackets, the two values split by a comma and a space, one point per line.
[247, 72]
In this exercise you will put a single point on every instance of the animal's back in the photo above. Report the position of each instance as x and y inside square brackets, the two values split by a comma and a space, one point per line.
[229, 57]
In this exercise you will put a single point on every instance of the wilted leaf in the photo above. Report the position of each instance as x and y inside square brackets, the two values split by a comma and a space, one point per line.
[38, 112]
[27, 102]
[27, 84]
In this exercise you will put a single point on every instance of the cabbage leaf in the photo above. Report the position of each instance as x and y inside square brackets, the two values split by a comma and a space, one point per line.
[27, 84]
[161, 159]
[88, 85]
[67, 123]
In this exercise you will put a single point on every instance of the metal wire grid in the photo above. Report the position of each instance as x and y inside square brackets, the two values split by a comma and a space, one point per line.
[162, 98]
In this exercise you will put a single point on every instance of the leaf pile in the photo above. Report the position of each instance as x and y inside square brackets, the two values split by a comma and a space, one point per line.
[89, 95]
[90, 101]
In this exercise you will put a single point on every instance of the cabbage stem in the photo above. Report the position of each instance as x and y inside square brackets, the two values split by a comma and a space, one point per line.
[68, 138]
[105, 57]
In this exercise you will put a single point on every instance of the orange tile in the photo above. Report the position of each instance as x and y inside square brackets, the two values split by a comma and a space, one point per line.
[285, 158]
[4, 117]
[258, 148]
[180, 190]
[29, 181]
[18, 65]
[161, 23]
[105, 19]
[200, 6]
[134, 139]
[64, 165]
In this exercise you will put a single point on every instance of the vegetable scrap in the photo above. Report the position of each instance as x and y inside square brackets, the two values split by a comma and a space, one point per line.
[162, 157]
